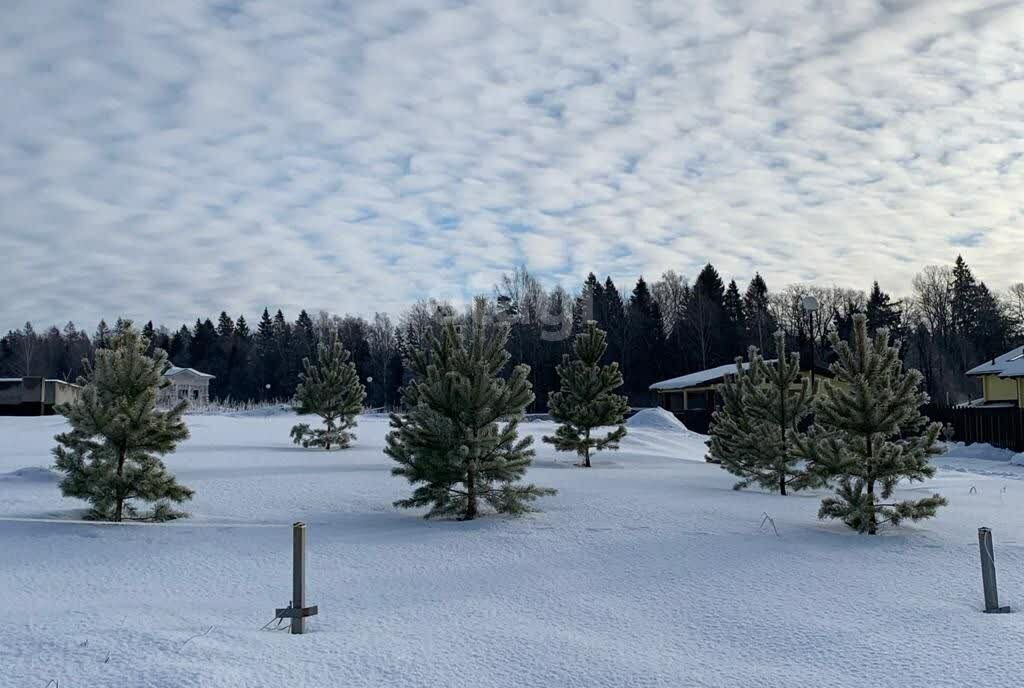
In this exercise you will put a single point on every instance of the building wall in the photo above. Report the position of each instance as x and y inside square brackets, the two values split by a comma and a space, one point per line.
[185, 387]
[999, 389]
[33, 396]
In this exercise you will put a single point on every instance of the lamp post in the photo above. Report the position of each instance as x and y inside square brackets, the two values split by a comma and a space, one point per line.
[810, 305]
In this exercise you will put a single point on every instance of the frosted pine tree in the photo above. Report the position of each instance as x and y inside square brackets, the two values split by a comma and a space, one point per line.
[778, 399]
[586, 398]
[869, 434]
[459, 443]
[734, 436]
[110, 456]
[754, 433]
[330, 389]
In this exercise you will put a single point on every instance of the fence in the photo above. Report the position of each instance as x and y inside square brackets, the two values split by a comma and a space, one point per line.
[1000, 427]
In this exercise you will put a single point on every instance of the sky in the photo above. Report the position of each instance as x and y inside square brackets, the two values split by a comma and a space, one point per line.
[166, 160]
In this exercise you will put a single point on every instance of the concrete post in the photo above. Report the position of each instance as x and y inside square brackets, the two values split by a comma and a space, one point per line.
[988, 573]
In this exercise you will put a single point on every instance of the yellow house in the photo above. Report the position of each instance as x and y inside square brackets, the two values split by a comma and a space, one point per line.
[1002, 379]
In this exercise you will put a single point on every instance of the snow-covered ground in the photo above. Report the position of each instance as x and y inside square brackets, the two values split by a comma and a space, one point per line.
[647, 570]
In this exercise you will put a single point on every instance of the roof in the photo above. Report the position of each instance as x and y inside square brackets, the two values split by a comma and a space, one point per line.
[701, 377]
[175, 370]
[1010, 364]
[48, 379]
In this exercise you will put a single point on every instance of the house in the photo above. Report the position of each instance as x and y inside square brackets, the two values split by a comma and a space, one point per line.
[34, 396]
[1002, 380]
[693, 397]
[695, 391]
[187, 384]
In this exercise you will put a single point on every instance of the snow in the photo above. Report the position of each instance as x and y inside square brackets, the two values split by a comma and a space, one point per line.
[702, 376]
[175, 370]
[1010, 364]
[647, 570]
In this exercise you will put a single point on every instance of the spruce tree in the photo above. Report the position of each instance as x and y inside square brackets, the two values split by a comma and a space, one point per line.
[330, 389]
[586, 398]
[754, 433]
[869, 434]
[110, 455]
[756, 312]
[459, 443]
[735, 320]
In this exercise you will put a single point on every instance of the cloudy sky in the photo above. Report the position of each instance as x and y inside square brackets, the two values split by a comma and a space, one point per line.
[169, 159]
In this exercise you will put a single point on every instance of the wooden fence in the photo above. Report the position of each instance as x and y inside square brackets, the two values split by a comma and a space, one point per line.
[1000, 427]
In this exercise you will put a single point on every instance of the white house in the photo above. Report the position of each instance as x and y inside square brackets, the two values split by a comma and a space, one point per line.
[187, 384]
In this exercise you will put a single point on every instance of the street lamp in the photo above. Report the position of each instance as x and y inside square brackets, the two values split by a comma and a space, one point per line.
[810, 305]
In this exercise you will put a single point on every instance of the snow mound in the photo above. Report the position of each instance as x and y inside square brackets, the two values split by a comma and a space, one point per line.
[1017, 459]
[31, 474]
[657, 419]
[978, 450]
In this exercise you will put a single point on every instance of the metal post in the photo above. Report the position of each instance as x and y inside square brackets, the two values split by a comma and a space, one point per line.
[988, 573]
[298, 574]
[812, 352]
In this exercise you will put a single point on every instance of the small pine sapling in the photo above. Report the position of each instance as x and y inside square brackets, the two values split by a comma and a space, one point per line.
[734, 436]
[330, 389]
[869, 434]
[778, 399]
[110, 457]
[586, 399]
[459, 443]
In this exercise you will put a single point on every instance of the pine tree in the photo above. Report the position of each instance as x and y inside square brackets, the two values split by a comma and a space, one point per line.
[110, 455]
[869, 434]
[704, 315]
[883, 312]
[735, 319]
[180, 343]
[149, 334]
[964, 298]
[756, 313]
[585, 400]
[589, 305]
[754, 432]
[645, 341]
[101, 339]
[612, 319]
[225, 326]
[734, 437]
[331, 390]
[781, 402]
[460, 441]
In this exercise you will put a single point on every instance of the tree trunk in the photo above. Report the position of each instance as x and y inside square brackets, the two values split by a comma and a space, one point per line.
[586, 449]
[782, 429]
[470, 495]
[122, 454]
[872, 524]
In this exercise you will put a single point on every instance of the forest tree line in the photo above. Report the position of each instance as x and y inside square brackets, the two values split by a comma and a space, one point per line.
[950, 322]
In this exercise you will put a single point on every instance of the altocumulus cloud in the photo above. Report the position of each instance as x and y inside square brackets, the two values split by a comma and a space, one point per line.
[169, 159]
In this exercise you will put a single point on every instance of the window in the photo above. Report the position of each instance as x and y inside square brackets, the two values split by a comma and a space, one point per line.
[697, 401]
[195, 394]
[183, 394]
